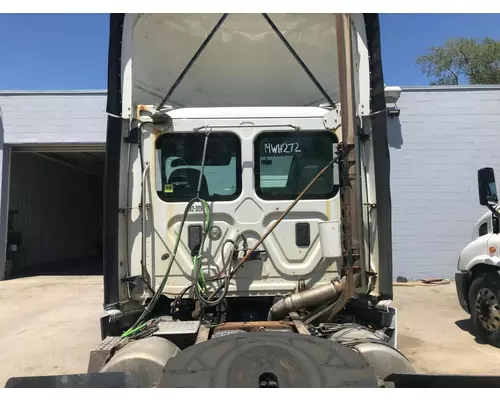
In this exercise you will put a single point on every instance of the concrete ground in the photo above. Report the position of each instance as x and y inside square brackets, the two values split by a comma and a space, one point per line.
[435, 333]
[48, 325]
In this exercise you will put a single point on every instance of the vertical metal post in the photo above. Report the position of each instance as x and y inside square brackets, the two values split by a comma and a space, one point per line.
[144, 211]
[351, 223]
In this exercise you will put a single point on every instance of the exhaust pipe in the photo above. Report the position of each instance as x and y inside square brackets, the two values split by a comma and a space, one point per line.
[309, 298]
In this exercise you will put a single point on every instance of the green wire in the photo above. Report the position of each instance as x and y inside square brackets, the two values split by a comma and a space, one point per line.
[201, 283]
[202, 278]
[207, 209]
[130, 332]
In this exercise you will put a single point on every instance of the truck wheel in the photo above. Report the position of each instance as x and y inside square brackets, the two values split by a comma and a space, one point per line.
[484, 305]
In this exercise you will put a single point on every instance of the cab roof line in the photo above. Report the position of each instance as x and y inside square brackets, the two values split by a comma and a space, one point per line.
[299, 60]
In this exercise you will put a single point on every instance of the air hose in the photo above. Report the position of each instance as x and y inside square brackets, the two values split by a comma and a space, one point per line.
[199, 290]
[226, 268]
[200, 281]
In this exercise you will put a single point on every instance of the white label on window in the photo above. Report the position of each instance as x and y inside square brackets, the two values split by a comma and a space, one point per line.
[282, 148]
[196, 208]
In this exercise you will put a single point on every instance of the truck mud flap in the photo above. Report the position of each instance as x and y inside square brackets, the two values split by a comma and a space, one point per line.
[98, 380]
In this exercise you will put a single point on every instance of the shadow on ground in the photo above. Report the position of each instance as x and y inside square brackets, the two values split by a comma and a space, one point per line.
[86, 266]
[467, 326]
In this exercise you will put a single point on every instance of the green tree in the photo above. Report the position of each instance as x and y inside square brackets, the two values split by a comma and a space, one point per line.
[463, 60]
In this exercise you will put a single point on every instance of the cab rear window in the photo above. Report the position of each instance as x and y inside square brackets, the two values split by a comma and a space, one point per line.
[285, 163]
[180, 156]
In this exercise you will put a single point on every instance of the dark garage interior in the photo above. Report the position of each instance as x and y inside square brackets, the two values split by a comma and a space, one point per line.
[55, 213]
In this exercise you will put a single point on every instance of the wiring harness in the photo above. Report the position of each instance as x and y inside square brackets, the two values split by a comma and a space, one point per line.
[227, 273]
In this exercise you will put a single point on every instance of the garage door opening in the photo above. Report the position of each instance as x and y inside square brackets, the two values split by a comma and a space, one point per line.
[55, 213]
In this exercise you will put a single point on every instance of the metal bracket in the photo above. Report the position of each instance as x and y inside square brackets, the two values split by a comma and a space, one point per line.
[133, 136]
[332, 120]
[203, 333]
[100, 353]
[133, 281]
[261, 255]
[364, 137]
[299, 325]
[166, 328]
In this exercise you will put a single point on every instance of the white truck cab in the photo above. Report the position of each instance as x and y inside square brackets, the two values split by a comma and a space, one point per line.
[247, 203]
[247, 237]
[257, 160]
[477, 280]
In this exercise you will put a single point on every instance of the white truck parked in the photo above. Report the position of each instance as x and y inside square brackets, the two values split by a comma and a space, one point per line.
[478, 276]
[247, 238]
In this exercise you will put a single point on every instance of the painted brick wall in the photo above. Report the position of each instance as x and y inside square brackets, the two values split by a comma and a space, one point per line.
[442, 137]
[47, 118]
[437, 144]
[54, 118]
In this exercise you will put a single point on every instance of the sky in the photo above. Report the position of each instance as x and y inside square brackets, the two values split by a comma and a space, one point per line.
[69, 51]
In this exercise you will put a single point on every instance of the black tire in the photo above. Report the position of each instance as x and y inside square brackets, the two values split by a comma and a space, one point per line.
[484, 305]
[268, 359]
